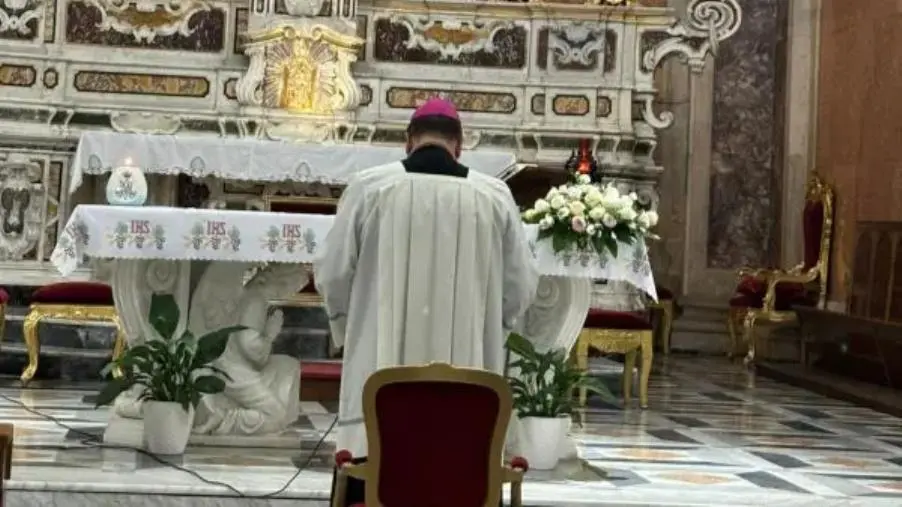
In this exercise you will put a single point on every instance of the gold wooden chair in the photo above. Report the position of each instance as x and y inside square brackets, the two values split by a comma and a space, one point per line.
[769, 294]
[451, 456]
[71, 301]
[627, 333]
[665, 304]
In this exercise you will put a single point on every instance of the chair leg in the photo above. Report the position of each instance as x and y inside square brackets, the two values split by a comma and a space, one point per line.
[118, 345]
[647, 351]
[748, 327]
[516, 494]
[666, 325]
[731, 328]
[32, 344]
[341, 489]
[629, 364]
[582, 363]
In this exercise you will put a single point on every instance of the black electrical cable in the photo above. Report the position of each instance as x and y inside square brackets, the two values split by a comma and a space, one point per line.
[90, 440]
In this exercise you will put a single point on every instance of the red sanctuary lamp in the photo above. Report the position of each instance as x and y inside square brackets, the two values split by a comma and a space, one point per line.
[582, 162]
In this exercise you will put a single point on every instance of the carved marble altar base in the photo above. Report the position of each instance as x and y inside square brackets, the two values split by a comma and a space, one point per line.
[262, 399]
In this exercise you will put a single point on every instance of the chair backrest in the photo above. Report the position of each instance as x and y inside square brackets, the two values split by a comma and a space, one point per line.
[817, 230]
[435, 435]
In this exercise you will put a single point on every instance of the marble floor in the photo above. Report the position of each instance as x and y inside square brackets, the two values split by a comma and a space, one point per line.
[714, 435]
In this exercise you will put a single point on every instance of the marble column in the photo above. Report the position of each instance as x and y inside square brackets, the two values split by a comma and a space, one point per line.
[800, 126]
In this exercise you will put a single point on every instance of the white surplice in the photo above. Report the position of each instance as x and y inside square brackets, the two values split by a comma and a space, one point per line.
[420, 268]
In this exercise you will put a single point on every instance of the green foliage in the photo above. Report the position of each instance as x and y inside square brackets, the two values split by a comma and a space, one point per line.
[547, 380]
[177, 368]
[564, 238]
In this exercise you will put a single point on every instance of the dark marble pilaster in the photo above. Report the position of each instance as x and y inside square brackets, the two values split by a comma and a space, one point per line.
[747, 139]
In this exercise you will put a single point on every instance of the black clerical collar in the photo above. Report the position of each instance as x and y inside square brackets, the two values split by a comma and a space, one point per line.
[431, 159]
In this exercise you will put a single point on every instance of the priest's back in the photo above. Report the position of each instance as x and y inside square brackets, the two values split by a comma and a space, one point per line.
[422, 265]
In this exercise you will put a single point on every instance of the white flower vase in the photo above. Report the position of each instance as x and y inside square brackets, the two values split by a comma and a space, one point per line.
[127, 186]
[167, 427]
[540, 439]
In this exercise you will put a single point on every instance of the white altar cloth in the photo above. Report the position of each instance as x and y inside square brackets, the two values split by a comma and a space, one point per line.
[247, 159]
[150, 232]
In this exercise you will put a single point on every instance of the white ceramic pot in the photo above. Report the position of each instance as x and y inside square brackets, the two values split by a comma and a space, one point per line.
[540, 440]
[127, 186]
[167, 427]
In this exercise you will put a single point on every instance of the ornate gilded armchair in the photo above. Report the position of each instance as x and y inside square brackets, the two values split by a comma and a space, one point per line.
[450, 457]
[769, 294]
[618, 332]
[71, 301]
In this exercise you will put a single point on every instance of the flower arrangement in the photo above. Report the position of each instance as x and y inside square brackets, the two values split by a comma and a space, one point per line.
[582, 216]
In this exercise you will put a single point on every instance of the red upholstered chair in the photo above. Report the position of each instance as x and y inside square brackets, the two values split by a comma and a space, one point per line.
[4, 300]
[71, 301]
[665, 304]
[770, 294]
[449, 454]
[628, 333]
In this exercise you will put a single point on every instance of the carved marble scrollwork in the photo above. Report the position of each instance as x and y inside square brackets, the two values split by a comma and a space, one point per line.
[450, 37]
[21, 12]
[145, 123]
[707, 22]
[146, 19]
[577, 44]
[303, 67]
[21, 199]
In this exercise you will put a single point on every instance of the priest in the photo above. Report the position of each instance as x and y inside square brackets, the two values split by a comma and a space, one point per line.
[426, 262]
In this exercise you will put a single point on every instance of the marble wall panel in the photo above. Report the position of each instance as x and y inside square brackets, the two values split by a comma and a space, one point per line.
[84, 25]
[392, 45]
[22, 20]
[746, 132]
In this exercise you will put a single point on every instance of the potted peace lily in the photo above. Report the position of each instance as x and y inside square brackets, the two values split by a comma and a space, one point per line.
[582, 216]
[543, 385]
[171, 375]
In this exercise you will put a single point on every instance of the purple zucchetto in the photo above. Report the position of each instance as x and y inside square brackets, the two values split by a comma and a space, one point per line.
[436, 107]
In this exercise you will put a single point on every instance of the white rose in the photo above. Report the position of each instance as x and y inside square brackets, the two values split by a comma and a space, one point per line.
[643, 220]
[541, 206]
[557, 202]
[591, 229]
[593, 197]
[652, 218]
[596, 213]
[583, 179]
[574, 192]
[546, 222]
[563, 213]
[530, 215]
[628, 214]
[634, 196]
[609, 221]
[626, 202]
[610, 193]
[552, 194]
[577, 208]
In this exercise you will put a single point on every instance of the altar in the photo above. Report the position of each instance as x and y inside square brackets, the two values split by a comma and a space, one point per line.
[203, 256]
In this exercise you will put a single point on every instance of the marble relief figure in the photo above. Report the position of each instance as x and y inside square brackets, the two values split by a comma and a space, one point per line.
[262, 395]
